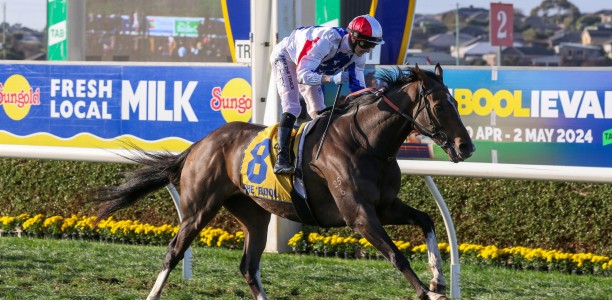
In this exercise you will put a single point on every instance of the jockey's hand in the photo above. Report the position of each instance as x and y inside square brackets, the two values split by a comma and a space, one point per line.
[340, 78]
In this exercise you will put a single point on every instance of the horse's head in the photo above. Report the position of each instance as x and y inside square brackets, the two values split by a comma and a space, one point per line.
[435, 114]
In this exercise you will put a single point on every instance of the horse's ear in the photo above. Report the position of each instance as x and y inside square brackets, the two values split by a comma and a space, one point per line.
[438, 71]
[417, 72]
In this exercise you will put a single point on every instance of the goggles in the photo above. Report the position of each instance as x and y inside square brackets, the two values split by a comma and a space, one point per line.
[365, 44]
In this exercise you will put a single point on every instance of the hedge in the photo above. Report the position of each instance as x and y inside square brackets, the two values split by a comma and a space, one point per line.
[567, 216]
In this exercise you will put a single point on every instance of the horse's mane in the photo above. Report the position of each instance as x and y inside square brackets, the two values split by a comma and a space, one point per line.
[396, 75]
[389, 77]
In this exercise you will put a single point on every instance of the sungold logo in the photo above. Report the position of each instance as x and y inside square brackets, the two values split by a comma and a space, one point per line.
[234, 100]
[16, 97]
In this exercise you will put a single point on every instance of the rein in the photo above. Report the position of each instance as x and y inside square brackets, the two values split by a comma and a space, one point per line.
[422, 97]
[435, 133]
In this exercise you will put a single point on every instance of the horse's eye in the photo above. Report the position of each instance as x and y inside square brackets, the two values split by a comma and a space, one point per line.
[438, 108]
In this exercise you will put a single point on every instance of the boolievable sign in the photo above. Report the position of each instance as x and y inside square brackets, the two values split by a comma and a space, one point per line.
[542, 117]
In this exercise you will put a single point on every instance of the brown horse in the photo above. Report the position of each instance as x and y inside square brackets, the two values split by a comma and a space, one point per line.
[354, 182]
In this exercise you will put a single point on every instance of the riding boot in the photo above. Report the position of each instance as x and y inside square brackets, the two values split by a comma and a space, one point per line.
[283, 160]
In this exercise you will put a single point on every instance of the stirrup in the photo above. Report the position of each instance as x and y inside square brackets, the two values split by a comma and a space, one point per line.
[283, 168]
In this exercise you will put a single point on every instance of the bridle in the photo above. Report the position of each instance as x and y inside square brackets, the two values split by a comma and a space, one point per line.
[436, 133]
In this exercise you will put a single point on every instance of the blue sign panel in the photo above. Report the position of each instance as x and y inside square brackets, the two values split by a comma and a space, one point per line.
[545, 117]
[540, 117]
[560, 117]
[155, 107]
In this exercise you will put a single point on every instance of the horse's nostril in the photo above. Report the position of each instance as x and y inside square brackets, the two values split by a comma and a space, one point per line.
[467, 149]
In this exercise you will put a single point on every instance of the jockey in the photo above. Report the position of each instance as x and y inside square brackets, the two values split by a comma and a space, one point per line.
[317, 55]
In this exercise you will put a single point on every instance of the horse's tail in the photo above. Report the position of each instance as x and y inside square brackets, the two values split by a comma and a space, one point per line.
[160, 169]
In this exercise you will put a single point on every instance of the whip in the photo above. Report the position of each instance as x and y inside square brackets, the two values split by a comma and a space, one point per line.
[328, 120]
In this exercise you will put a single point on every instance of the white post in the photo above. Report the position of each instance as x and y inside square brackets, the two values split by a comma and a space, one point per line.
[455, 290]
[261, 20]
[188, 254]
[272, 104]
[4, 30]
[457, 34]
[76, 30]
[280, 230]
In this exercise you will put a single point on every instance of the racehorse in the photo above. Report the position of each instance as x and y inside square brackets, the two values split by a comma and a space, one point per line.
[354, 182]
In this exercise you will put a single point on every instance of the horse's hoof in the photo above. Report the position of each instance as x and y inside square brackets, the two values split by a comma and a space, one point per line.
[436, 296]
[437, 288]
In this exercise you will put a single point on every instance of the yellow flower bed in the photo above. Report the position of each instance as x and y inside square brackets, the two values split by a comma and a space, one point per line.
[7, 223]
[515, 257]
[127, 231]
[34, 224]
[135, 232]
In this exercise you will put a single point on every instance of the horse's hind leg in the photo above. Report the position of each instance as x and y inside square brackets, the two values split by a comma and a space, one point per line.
[254, 221]
[400, 213]
[168, 266]
[193, 222]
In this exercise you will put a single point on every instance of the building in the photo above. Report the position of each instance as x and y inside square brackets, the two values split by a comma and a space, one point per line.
[431, 58]
[572, 54]
[564, 36]
[524, 56]
[444, 41]
[597, 35]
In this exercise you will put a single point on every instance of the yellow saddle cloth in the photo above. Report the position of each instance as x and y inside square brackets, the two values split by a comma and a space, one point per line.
[257, 170]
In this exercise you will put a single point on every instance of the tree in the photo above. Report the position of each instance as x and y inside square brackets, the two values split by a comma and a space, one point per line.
[587, 20]
[558, 11]
[533, 35]
[512, 61]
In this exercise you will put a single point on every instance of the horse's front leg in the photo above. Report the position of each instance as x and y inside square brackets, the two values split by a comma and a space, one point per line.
[365, 221]
[399, 213]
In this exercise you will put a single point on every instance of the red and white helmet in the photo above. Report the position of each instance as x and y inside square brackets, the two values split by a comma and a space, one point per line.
[366, 28]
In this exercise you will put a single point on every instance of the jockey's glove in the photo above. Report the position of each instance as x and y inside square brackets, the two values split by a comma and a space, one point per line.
[340, 78]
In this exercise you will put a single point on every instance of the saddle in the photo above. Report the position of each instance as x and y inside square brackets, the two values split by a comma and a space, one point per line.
[256, 173]
[257, 176]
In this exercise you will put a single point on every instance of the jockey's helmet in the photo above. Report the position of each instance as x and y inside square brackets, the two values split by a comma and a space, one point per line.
[366, 28]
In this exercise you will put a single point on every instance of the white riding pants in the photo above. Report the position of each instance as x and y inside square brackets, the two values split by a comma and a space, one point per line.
[288, 87]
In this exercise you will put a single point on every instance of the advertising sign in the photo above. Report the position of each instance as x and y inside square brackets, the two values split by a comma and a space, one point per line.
[165, 31]
[174, 26]
[57, 12]
[539, 117]
[501, 24]
[557, 117]
[155, 107]
[396, 19]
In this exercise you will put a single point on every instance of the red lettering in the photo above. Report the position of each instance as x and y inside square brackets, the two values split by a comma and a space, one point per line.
[241, 105]
[21, 98]
[216, 101]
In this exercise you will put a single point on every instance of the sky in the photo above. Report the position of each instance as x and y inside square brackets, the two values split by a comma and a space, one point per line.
[33, 13]
[30, 13]
[438, 6]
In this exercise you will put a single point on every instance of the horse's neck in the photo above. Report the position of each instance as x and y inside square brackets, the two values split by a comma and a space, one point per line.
[381, 131]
